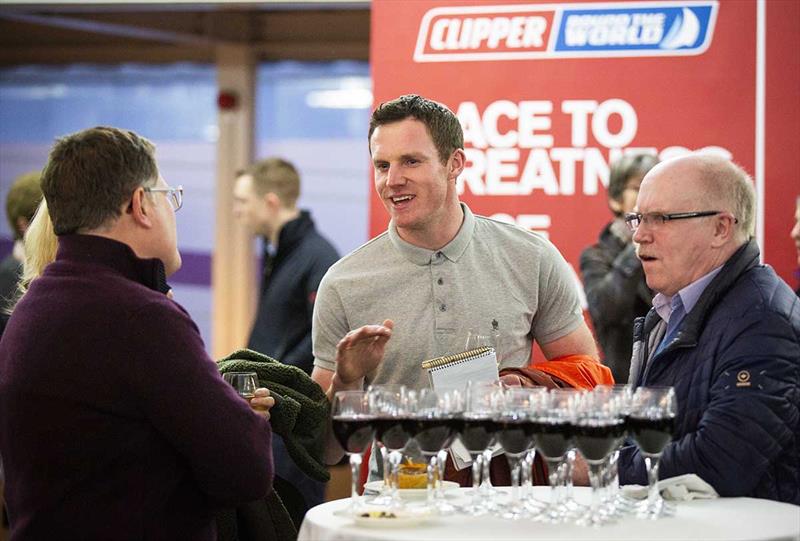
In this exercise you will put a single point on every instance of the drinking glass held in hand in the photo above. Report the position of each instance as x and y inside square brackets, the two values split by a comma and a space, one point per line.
[352, 427]
[245, 383]
[652, 423]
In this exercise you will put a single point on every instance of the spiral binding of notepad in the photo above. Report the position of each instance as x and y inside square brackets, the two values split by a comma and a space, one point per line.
[449, 360]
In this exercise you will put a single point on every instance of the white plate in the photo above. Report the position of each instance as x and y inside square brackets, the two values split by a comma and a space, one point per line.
[374, 487]
[384, 519]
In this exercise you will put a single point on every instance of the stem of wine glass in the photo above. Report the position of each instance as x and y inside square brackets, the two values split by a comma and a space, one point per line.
[653, 495]
[553, 479]
[515, 465]
[477, 466]
[355, 469]
[432, 467]
[395, 457]
[441, 456]
[387, 471]
[595, 472]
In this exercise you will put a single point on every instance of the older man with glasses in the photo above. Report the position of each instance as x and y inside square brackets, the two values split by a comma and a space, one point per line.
[724, 331]
[114, 422]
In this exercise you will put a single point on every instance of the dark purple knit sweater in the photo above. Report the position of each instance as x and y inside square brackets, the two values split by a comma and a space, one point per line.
[114, 422]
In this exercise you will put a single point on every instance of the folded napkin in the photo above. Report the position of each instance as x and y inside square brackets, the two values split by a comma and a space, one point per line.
[681, 488]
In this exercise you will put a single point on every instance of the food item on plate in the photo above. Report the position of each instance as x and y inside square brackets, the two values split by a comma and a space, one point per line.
[412, 475]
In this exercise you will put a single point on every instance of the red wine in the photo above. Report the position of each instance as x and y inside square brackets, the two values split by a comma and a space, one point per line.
[354, 434]
[392, 432]
[515, 435]
[596, 441]
[553, 439]
[433, 435]
[477, 433]
[652, 435]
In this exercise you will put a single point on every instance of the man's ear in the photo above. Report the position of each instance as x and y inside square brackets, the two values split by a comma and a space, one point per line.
[140, 208]
[724, 229]
[457, 163]
[272, 200]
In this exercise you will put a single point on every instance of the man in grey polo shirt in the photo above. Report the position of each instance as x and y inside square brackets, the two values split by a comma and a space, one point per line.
[413, 292]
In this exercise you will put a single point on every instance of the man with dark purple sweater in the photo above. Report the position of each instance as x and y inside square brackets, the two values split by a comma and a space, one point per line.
[114, 422]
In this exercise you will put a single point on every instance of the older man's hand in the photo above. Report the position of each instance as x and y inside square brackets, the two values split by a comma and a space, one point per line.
[262, 402]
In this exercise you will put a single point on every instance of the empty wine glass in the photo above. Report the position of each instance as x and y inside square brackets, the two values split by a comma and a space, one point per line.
[652, 423]
[352, 427]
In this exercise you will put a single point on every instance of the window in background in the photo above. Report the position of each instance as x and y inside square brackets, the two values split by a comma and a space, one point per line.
[314, 114]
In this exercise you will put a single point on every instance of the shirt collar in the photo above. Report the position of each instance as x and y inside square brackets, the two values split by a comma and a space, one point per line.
[452, 250]
[689, 296]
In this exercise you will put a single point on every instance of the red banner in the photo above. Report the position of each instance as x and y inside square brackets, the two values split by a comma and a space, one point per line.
[550, 94]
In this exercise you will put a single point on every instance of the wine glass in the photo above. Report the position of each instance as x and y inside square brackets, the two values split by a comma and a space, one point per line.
[435, 419]
[598, 430]
[652, 423]
[389, 405]
[245, 383]
[352, 427]
[515, 435]
[477, 432]
[553, 437]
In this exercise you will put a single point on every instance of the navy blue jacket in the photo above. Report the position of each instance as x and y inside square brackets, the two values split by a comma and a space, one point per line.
[282, 328]
[735, 366]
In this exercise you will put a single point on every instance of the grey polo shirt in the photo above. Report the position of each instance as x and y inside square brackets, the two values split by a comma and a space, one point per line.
[491, 271]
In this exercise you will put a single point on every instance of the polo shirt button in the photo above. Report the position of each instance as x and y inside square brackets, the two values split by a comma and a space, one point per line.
[440, 281]
[442, 307]
[437, 255]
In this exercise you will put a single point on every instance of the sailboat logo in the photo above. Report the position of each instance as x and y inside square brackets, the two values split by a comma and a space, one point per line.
[684, 31]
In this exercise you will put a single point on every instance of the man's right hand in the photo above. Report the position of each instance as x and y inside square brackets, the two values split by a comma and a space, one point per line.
[361, 351]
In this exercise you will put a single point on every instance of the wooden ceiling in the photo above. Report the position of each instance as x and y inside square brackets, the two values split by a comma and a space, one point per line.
[155, 33]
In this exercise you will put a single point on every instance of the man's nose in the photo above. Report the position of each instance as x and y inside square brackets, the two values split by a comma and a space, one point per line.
[640, 234]
[394, 176]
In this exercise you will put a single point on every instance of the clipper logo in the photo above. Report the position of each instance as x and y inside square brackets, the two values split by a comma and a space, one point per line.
[516, 32]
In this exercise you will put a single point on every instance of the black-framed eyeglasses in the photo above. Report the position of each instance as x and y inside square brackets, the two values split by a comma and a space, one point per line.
[174, 196]
[635, 219]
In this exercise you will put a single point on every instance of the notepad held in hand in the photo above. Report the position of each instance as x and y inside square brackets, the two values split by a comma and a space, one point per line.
[454, 371]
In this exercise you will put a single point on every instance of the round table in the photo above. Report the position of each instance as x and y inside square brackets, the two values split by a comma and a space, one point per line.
[727, 519]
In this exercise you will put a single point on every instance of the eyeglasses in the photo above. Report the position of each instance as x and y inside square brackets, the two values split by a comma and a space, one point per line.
[174, 196]
[635, 219]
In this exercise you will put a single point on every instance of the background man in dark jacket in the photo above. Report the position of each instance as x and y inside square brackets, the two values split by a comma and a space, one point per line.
[724, 331]
[114, 422]
[296, 258]
[612, 274]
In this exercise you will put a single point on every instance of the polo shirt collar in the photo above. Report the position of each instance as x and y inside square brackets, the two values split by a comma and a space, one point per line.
[452, 250]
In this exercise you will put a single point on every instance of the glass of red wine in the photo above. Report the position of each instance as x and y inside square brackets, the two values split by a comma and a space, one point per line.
[436, 419]
[651, 423]
[477, 431]
[353, 429]
[553, 432]
[389, 406]
[515, 435]
[598, 430]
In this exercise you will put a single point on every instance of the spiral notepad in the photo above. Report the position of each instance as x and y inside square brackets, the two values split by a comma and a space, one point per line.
[454, 371]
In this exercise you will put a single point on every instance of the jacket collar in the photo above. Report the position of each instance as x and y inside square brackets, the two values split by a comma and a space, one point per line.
[293, 232]
[116, 256]
[744, 259]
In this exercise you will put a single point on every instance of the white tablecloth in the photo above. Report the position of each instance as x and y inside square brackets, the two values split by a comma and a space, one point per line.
[728, 519]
